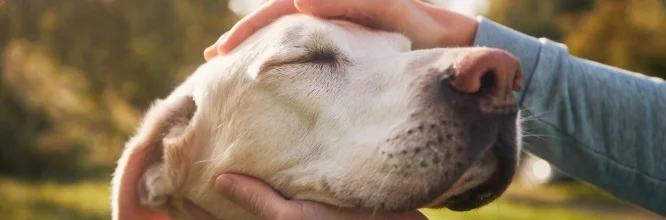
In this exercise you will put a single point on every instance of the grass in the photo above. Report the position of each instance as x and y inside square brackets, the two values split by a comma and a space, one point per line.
[570, 201]
[511, 211]
[90, 200]
[54, 201]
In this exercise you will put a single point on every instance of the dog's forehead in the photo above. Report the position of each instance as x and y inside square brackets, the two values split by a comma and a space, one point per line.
[298, 26]
[296, 30]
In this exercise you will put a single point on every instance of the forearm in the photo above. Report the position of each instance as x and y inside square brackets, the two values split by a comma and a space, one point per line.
[604, 125]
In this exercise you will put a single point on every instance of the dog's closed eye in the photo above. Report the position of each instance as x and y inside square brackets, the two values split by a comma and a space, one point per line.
[319, 56]
[315, 49]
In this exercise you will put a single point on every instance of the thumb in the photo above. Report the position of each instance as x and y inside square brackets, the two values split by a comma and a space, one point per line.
[251, 194]
[337, 8]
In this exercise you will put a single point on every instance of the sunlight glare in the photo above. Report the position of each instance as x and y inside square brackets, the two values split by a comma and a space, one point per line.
[541, 170]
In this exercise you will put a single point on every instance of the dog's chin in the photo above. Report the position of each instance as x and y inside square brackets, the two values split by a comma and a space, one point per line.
[476, 197]
[407, 180]
[464, 195]
[473, 198]
[486, 191]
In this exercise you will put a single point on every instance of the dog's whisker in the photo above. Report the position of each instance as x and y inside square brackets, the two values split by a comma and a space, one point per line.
[381, 186]
[529, 134]
[534, 116]
[542, 137]
[204, 161]
[424, 183]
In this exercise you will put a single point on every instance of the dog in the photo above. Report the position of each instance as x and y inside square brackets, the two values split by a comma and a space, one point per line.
[332, 112]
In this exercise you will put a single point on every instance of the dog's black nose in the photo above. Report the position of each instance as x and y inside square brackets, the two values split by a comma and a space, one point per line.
[486, 74]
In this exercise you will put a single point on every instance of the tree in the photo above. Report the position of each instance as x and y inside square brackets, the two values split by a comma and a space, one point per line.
[76, 75]
[623, 33]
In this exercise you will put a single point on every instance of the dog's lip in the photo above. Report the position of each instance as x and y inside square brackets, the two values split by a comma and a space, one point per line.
[476, 197]
[487, 191]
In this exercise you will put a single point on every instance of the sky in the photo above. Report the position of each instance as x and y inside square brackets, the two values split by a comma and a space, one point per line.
[468, 7]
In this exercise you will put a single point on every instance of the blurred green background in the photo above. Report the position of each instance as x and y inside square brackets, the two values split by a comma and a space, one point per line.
[76, 75]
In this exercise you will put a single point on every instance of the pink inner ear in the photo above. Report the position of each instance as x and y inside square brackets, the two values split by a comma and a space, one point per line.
[128, 201]
[145, 149]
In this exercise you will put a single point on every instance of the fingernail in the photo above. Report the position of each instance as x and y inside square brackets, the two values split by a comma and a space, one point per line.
[224, 184]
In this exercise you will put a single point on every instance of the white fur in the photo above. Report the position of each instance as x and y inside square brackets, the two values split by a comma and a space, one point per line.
[313, 131]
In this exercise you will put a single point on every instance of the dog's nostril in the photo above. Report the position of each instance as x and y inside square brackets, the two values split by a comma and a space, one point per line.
[447, 78]
[487, 80]
[485, 69]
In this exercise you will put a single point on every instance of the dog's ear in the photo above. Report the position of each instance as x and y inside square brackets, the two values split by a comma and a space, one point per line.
[140, 188]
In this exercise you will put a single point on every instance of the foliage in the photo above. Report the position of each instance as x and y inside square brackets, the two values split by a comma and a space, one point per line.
[54, 201]
[628, 34]
[76, 75]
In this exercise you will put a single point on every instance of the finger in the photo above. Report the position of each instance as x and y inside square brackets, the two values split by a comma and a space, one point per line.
[254, 21]
[211, 51]
[251, 194]
[337, 8]
[196, 212]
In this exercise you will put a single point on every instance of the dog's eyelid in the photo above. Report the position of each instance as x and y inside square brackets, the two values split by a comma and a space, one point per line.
[311, 55]
[321, 55]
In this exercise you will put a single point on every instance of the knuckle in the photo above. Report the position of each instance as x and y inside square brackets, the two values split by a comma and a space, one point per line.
[289, 214]
[289, 211]
[254, 200]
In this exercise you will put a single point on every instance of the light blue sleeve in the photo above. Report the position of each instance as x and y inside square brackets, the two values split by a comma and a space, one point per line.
[604, 125]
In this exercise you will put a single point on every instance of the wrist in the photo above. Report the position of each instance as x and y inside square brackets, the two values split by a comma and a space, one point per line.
[455, 30]
[463, 30]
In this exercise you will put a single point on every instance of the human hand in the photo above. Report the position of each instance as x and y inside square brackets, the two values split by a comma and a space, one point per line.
[427, 26]
[260, 199]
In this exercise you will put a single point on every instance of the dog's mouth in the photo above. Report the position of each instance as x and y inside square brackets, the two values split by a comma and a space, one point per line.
[484, 193]
[478, 173]
[460, 164]
[488, 190]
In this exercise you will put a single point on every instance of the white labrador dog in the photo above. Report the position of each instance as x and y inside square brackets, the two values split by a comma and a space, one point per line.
[333, 112]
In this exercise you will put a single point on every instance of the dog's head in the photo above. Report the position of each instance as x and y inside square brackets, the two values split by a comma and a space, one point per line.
[333, 112]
